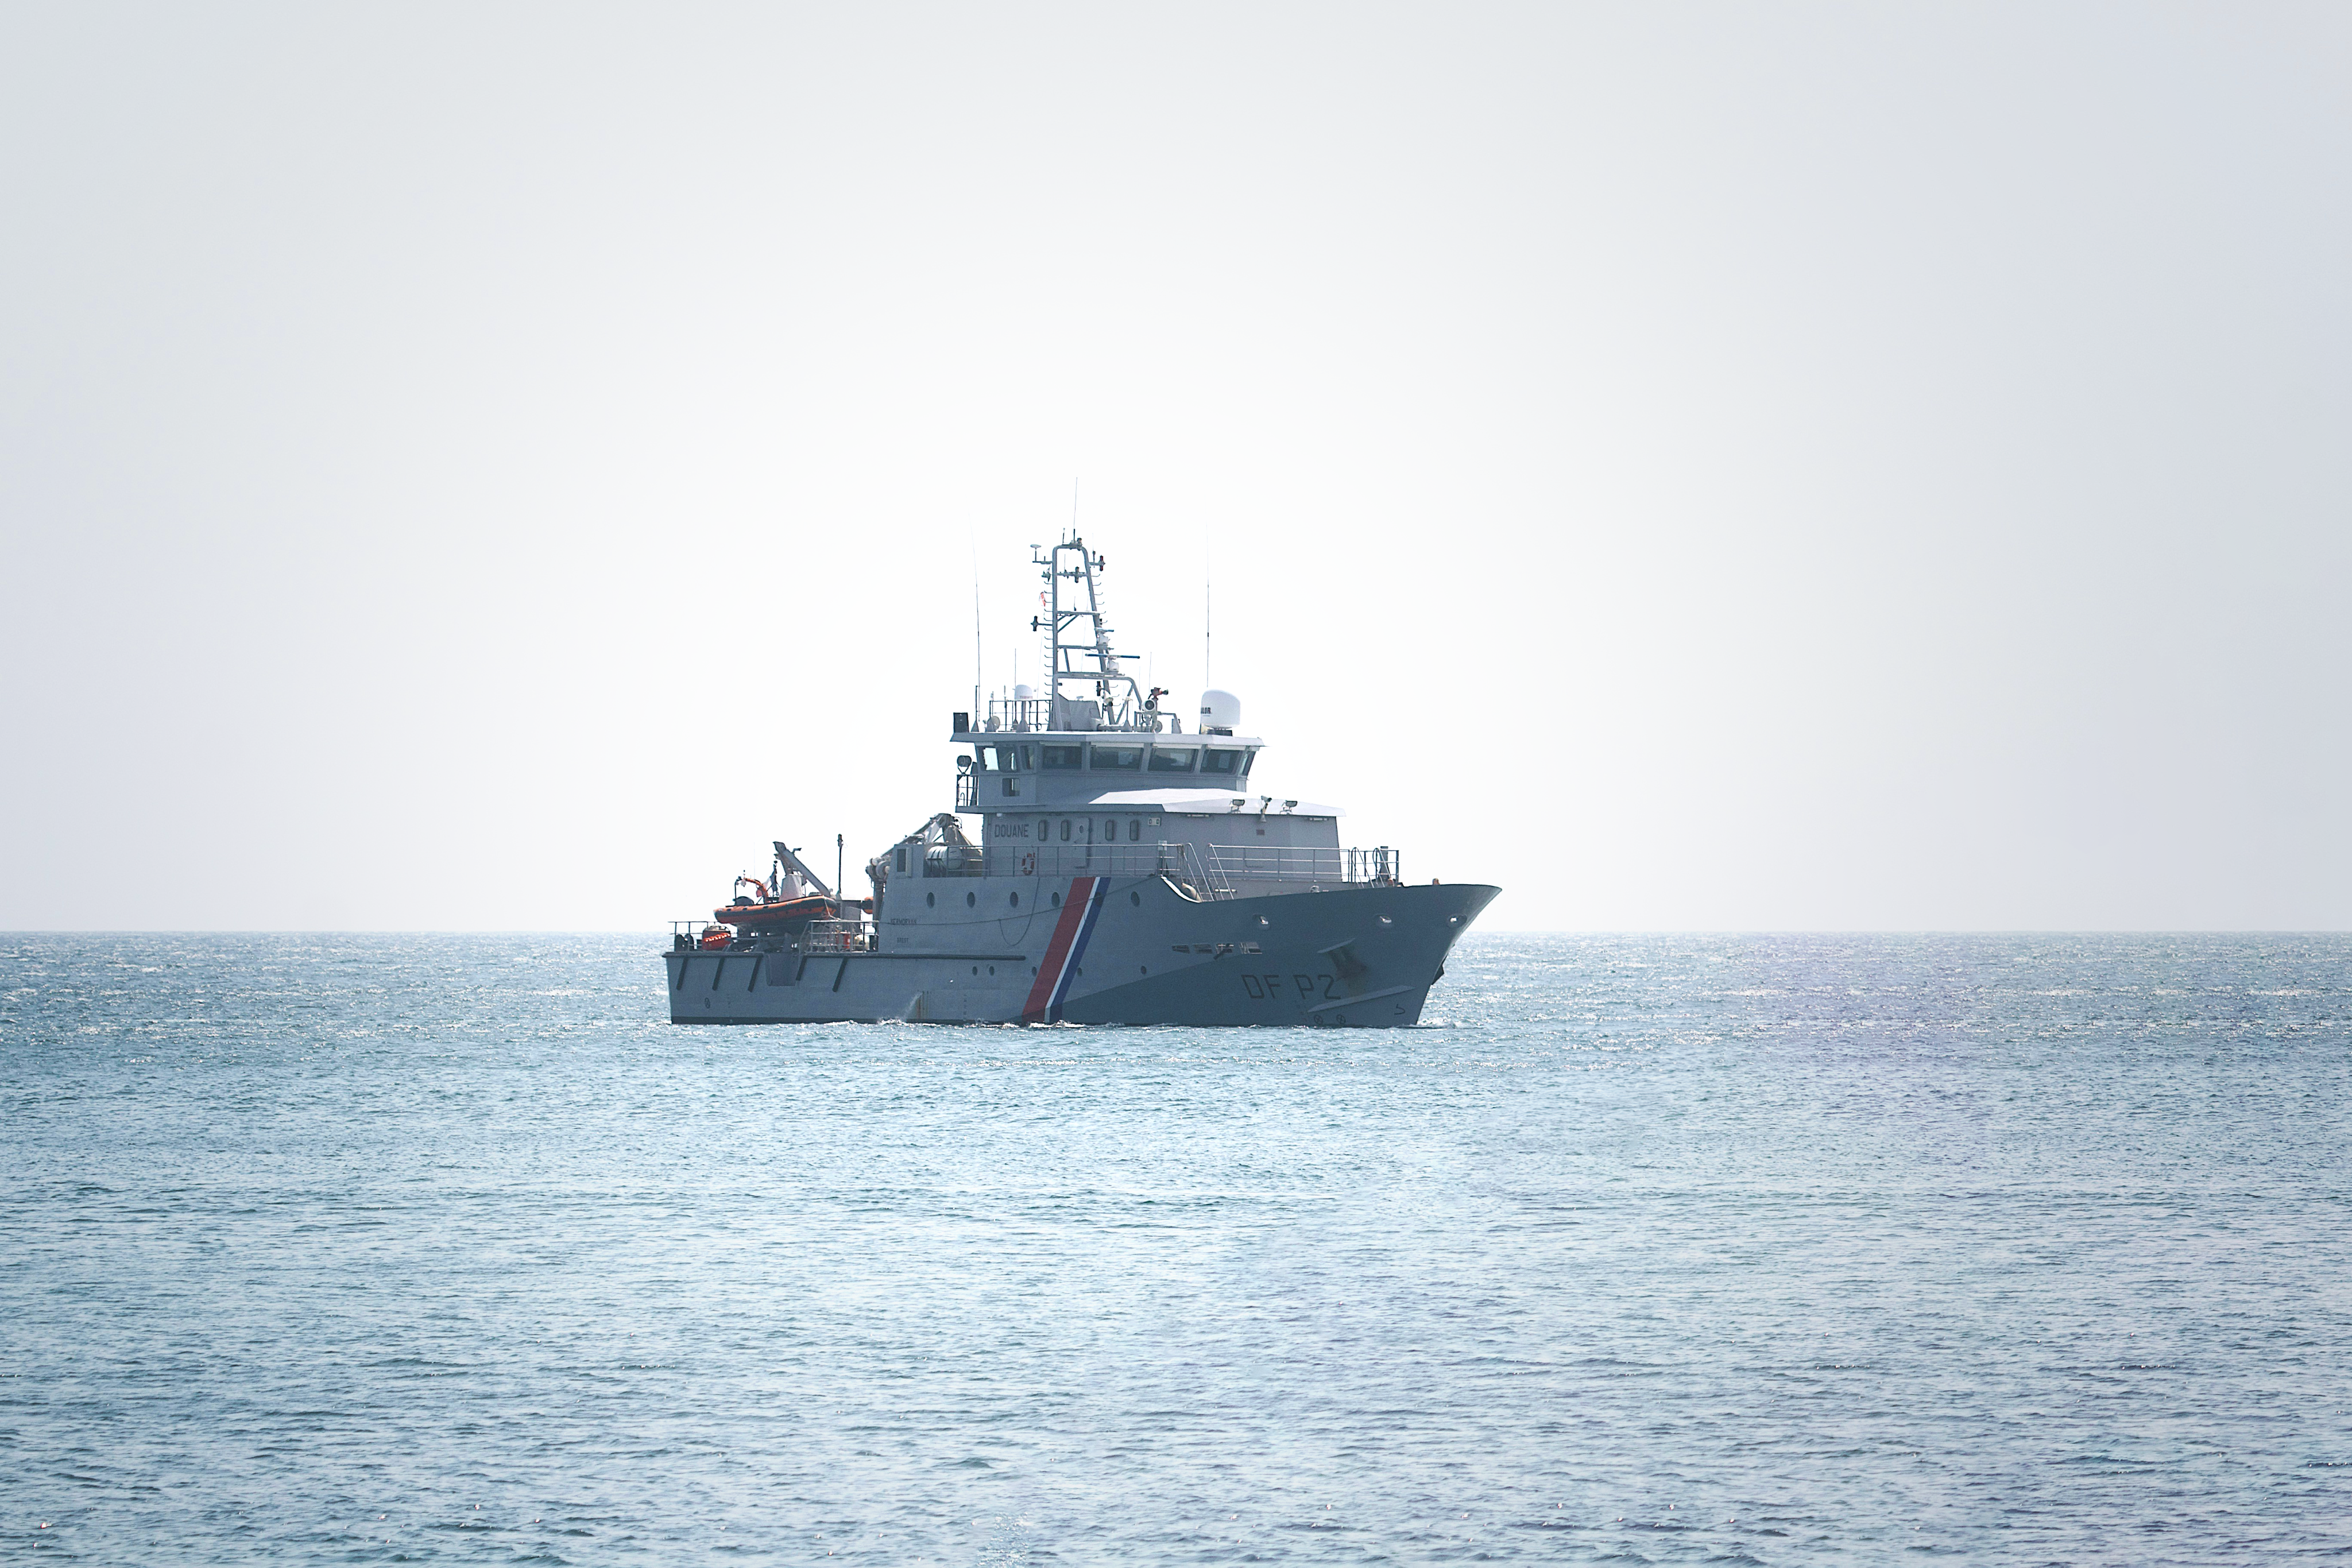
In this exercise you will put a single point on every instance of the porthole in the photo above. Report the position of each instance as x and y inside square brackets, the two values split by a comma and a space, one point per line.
[970, 899]
[930, 901]
[1057, 901]
[1016, 901]
[1136, 899]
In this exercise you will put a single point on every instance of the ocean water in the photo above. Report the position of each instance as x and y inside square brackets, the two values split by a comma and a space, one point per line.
[1777, 1249]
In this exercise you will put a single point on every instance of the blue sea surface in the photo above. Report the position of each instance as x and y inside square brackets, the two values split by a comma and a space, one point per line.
[1748, 1249]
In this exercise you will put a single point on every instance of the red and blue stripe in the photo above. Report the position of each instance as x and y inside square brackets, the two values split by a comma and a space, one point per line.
[1079, 911]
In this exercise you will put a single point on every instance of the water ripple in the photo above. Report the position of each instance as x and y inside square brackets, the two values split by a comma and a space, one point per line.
[1768, 1251]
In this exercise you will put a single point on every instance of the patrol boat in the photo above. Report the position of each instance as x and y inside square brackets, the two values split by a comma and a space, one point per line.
[1117, 869]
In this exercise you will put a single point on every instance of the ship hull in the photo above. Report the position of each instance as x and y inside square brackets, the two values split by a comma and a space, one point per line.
[1106, 950]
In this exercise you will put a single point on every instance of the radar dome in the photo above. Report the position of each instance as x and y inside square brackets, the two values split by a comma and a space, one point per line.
[1220, 711]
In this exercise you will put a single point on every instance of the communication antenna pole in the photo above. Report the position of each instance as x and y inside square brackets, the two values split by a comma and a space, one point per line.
[839, 892]
[1208, 629]
[975, 626]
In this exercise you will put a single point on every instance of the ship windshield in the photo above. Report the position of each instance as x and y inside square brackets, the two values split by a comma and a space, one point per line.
[1174, 759]
[1118, 759]
[1221, 761]
[1061, 756]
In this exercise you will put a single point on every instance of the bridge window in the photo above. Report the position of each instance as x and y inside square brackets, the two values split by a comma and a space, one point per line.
[1174, 759]
[1062, 757]
[1221, 761]
[1013, 785]
[1118, 759]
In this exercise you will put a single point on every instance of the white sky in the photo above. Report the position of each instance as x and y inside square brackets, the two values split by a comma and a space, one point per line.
[1722, 467]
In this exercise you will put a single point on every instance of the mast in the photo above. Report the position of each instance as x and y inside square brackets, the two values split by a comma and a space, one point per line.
[1080, 655]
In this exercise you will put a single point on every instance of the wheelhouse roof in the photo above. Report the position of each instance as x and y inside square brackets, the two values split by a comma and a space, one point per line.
[1196, 802]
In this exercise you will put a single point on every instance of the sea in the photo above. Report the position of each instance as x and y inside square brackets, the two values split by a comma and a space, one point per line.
[1641, 1250]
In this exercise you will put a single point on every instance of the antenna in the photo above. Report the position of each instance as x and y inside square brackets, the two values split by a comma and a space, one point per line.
[1208, 626]
[1068, 660]
[975, 622]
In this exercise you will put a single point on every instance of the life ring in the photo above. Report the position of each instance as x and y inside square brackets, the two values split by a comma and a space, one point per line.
[1029, 865]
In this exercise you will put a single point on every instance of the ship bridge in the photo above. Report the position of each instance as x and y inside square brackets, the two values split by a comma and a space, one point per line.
[1095, 775]
[1092, 732]
[1015, 770]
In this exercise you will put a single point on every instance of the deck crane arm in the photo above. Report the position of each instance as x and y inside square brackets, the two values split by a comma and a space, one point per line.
[793, 862]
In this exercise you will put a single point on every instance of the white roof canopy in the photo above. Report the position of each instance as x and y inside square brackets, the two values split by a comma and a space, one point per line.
[1218, 801]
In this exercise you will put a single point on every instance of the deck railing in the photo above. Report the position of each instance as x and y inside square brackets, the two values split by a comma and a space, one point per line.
[1059, 861]
[817, 936]
[1237, 865]
[836, 936]
[1025, 716]
[1206, 870]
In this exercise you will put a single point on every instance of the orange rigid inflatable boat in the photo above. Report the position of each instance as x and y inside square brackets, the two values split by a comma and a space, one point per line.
[747, 915]
[784, 905]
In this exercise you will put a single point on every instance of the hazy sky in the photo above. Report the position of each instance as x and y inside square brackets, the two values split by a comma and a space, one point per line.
[1734, 465]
